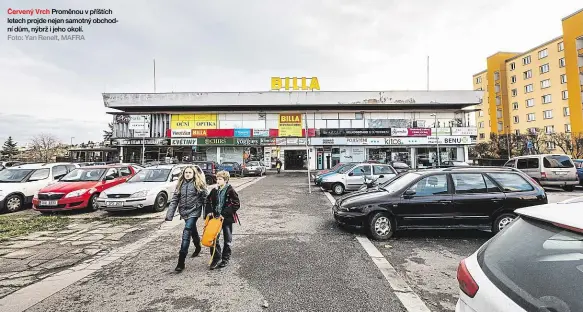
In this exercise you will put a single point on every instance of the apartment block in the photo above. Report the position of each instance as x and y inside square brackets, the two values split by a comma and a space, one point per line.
[540, 88]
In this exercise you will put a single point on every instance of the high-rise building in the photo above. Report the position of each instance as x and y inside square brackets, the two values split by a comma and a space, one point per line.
[541, 88]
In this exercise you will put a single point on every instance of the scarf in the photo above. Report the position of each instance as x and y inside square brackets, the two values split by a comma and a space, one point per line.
[222, 197]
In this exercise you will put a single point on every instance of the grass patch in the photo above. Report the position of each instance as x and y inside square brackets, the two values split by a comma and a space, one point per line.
[13, 227]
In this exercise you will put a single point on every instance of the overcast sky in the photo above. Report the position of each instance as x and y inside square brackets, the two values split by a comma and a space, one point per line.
[55, 86]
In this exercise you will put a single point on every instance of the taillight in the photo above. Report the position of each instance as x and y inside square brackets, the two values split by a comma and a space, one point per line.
[543, 175]
[466, 281]
[214, 171]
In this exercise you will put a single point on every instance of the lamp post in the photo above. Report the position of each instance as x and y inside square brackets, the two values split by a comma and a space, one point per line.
[508, 141]
[72, 140]
[436, 140]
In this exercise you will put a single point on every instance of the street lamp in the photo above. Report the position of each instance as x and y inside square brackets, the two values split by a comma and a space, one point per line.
[436, 140]
[508, 140]
[72, 140]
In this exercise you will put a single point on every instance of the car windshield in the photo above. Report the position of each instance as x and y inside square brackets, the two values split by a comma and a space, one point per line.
[14, 175]
[150, 175]
[400, 182]
[536, 264]
[84, 174]
[558, 161]
[252, 163]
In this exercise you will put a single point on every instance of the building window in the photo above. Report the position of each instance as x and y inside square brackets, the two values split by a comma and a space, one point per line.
[526, 60]
[500, 126]
[358, 116]
[481, 124]
[514, 92]
[481, 113]
[513, 79]
[549, 129]
[563, 78]
[551, 145]
[528, 88]
[498, 101]
[545, 83]
[479, 80]
[561, 46]
[517, 132]
[515, 105]
[497, 88]
[496, 75]
[530, 117]
[546, 99]
[482, 136]
[562, 62]
[512, 66]
[567, 128]
[531, 130]
[544, 68]
[548, 114]
[498, 113]
[566, 111]
[530, 103]
[516, 119]
[565, 94]
[543, 53]
[527, 74]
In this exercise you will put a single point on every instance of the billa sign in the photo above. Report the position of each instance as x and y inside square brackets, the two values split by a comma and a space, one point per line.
[290, 125]
[294, 83]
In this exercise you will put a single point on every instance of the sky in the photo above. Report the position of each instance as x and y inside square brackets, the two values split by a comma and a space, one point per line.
[55, 87]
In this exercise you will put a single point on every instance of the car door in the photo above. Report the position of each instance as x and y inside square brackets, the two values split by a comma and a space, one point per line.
[355, 177]
[476, 198]
[39, 179]
[518, 191]
[125, 173]
[426, 203]
[385, 170]
[112, 178]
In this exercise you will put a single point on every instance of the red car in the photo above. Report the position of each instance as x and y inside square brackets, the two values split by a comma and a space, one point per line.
[80, 188]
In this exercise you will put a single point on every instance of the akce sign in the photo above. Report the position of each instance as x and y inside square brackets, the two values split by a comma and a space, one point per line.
[294, 83]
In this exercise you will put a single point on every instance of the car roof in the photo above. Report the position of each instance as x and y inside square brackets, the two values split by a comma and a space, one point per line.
[107, 166]
[569, 214]
[27, 166]
[166, 166]
[541, 155]
[466, 169]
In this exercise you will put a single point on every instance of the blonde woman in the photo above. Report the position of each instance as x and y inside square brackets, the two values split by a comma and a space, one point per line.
[190, 198]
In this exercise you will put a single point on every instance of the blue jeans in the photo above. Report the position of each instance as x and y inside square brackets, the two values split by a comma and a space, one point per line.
[188, 232]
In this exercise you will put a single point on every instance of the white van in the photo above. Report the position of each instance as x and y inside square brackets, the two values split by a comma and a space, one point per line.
[548, 169]
[20, 183]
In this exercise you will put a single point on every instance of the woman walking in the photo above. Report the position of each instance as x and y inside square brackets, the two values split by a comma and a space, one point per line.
[190, 198]
[224, 201]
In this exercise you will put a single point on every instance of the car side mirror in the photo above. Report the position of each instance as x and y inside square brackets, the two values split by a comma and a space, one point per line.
[109, 178]
[381, 176]
[350, 174]
[409, 193]
[174, 178]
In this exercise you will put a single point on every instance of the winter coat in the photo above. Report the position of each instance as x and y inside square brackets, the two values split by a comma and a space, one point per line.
[230, 207]
[189, 201]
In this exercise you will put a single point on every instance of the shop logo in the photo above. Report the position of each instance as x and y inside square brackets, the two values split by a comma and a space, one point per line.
[296, 118]
[399, 131]
[198, 133]
[393, 141]
[180, 133]
[182, 123]
[357, 140]
[215, 141]
[207, 124]
[328, 141]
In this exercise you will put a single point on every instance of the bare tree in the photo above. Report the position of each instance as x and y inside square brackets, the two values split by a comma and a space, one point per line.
[44, 147]
[569, 143]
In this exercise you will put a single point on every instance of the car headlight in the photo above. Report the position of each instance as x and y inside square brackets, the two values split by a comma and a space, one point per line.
[140, 194]
[76, 193]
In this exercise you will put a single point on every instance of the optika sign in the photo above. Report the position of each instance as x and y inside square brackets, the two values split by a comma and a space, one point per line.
[294, 83]
[184, 133]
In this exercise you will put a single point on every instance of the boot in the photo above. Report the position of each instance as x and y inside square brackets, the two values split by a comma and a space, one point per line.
[180, 265]
[223, 263]
[196, 252]
[215, 263]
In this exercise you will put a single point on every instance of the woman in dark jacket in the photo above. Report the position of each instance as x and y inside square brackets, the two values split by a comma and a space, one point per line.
[190, 198]
[224, 203]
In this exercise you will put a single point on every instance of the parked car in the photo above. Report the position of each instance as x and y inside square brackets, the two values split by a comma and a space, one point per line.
[210, 169]
[399, 166]
[8, 164]
[474, 197]
[321, 172]
[353, 179]
[80, 188]
[150, 188]
[454, 163]
[234, 168]
[19, 184]
[548, 169]
[340, 169]
[534, 264]
[254, 168]
[579, 165]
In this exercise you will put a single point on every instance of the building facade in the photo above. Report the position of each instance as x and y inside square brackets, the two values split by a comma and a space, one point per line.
[537, 89]
[314, 128]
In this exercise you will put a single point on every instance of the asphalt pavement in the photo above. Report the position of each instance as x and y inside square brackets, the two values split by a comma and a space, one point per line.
[288, 255]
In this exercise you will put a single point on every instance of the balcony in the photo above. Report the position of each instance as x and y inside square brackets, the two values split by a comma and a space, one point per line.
[580, 52]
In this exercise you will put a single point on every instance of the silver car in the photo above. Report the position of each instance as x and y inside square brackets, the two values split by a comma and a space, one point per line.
[353, 179]
[548, 169]
[254, 168]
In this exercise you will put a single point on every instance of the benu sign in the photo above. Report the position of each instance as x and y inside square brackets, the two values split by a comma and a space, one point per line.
[294, 83]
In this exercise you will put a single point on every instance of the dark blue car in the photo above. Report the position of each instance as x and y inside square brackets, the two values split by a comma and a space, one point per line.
[234, 168]
[579, 166]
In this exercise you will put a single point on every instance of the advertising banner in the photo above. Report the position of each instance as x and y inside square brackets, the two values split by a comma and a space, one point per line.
[181, 133]
[193, 121]
[406, 141]
[216, 141]
[357, 141]
[183, 142]
[142, 133]
[301, 141]
[290, 125]
[242, 133]
[292, 141]
[198, 133]
[419, 132]
[453, 140]
[260, 132]
[355, 132]
[376, 141]
[139, 122]
[280, 141]
[220, 133]
[140, 141]
[441, 131]
[267, 141]
[464, 131]
[247, 141]
[328, 141]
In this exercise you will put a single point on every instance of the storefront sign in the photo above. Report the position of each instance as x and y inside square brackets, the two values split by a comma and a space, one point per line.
[357, 141]
[142, 133]
[220, 133]
[301, 141]
[198, 133]
[290, 125]
[242, 133]
[376, 141]
[140, 142]
[193, 121]
[267, 141]
[328, 141]
[441, 131]
[183, 142]
[406, 141]
[399, 132]
[292, 141]
[464, 131]
[260, 132]
[182, 133]
[205, 124]
[464, 140]
[329, 132]
[247, 141]
[216, 141]
[294, 83]
[280, 141]
[413, 132]
[139, 122]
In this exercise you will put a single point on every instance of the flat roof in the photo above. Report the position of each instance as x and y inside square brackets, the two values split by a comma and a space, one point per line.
[291, 100]
[533, 49]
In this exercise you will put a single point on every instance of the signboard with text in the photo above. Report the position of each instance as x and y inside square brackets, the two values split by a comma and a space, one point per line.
[295, 83]
[180, 133]
[183, 142]
[330, 132]
[139, 122]
[464, 131]
[215, 141]
[193, 121]
[450, 140]
[260, 132]
[290, 125]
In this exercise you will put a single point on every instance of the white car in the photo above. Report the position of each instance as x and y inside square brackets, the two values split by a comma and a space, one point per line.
[254, 168]
[151, 188]
[535, 264]
[19, 184]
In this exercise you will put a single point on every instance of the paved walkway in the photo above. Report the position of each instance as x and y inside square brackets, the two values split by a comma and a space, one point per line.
[35, 257]
[288, 255]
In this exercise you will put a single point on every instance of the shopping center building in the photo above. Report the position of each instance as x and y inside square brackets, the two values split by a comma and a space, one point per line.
[332, 126]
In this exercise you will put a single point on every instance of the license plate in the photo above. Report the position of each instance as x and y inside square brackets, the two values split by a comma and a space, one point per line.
[48, 203]
[560, 173]
[114, 204]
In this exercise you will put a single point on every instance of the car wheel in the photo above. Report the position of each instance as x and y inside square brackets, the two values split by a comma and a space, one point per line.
[92, 204]
[338, 189]
[502, 222]
[569, 188]
[159, 203]
[12, 203]
[381, 226]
